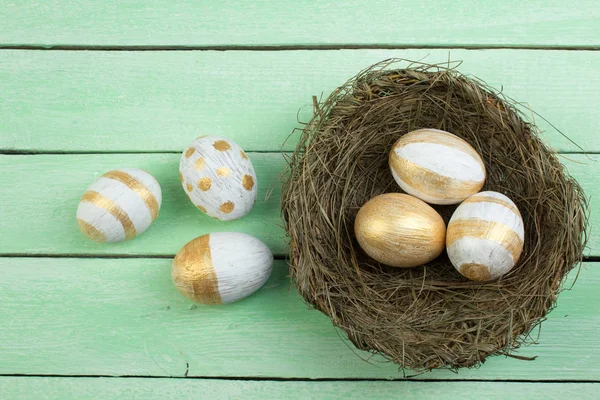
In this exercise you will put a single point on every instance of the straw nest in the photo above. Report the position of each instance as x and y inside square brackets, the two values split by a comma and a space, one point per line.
[430, 316]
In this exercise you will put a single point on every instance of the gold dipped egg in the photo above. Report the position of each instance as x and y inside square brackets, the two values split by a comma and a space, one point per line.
[400, 230]
[485, 236]
[436, 166]
[221, 267]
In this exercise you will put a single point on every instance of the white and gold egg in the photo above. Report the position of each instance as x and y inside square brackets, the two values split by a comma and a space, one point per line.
[218, 177]
[119, 205]
[485, 236]
[436, 166]
[221, 267]
[400, 230]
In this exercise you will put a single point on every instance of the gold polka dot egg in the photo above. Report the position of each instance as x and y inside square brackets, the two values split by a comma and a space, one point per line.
[119, 205]
[436, 166]
[485, 236]
[218, 177]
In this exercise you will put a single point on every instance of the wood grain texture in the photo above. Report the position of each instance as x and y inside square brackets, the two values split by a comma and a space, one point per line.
[39, 196]
[303, 22]
[125, 317]
[159, 101]
[146, 389]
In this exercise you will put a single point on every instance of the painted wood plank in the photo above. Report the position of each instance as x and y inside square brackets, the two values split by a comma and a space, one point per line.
[44, 190]
[124, 317]
[145, 389]
[303, 22]
[159, 100]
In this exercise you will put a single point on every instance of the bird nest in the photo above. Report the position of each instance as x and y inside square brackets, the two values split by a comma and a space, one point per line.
[430, 316]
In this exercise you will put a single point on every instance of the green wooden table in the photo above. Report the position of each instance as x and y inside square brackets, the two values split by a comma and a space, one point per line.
[90, 86]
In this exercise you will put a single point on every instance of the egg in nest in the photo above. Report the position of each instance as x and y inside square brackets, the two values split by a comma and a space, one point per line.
[485, 236]
[218, 177]
[436, 166]
[400, 230]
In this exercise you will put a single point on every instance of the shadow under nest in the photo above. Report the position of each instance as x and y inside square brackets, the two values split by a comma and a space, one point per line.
[425, 317]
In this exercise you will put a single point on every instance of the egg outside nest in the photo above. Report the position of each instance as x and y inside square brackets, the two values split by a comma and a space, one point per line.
[119, 205]
[218, 177]
[222, 267]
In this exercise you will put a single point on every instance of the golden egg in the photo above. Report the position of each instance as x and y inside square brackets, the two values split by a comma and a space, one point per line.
[436, 166]
[485, 236]
[400, 230]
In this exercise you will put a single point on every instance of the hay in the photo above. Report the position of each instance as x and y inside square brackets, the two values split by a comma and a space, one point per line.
[426, 317]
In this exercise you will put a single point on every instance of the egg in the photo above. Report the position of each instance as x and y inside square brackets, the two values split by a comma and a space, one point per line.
[221, 267]
[218, 177]
[119, 205]
[485, 236]
[400, 230]
[436, 166]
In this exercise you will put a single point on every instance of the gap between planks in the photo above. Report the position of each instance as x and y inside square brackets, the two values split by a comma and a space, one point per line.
[279, 379]
[322, 47]
[20, 152]
[276, 256]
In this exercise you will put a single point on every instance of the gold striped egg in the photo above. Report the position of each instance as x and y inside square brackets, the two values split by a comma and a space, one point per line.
[119, 205]
[436, 166]
[400, 230]
[221, 267]
[218, 177]
[485, 236]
